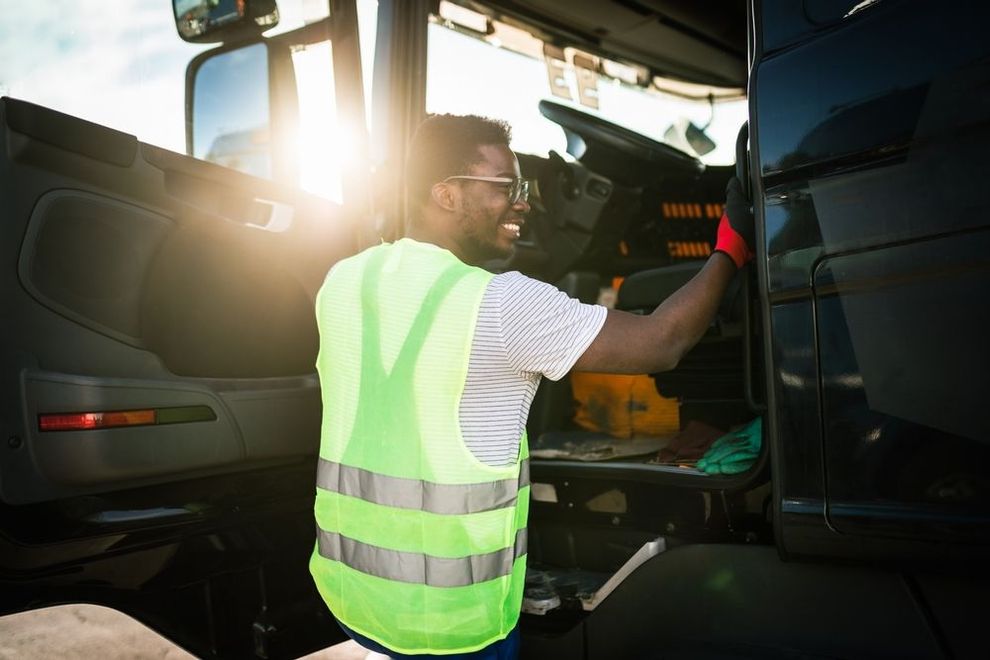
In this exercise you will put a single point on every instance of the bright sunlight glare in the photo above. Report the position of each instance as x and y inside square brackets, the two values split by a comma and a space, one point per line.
[324, 150]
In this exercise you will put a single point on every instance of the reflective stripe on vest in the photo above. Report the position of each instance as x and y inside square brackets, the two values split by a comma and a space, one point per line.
[419, 494]
[419, 568]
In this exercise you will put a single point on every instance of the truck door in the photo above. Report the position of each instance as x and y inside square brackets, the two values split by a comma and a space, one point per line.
[870, 124]
[160, 410]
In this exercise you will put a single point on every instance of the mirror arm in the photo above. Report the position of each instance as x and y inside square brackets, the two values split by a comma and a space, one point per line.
[711, 111]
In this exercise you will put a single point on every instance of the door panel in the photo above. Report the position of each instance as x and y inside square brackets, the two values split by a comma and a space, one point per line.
[60, 463]
[148, 281]
[902, 354]
[870, 132]
[85, 257]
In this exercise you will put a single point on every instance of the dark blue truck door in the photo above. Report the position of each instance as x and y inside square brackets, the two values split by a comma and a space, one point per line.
[871, 124]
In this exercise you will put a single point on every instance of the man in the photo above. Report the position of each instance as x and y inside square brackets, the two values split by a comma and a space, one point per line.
[428, 366]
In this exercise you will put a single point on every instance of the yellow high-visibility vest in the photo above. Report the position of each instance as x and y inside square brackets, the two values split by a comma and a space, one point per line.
[420, 546]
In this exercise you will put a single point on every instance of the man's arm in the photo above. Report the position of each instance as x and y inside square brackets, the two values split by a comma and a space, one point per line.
[633, 344]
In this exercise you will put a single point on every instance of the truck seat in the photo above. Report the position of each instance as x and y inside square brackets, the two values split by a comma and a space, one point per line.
[706, 378]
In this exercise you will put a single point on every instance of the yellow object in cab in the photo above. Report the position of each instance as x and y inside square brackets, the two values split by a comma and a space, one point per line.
[623, 406]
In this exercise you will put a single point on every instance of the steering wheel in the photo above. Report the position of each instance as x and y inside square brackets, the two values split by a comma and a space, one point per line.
[594, 131]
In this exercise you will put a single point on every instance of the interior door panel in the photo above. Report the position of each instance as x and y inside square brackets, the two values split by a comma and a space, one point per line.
[143, 280]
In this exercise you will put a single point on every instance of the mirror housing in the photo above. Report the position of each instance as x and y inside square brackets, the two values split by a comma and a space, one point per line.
[216, 21]
[688, 137]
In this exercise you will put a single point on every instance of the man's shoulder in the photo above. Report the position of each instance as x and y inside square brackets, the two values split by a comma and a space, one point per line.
[359, 259]
[350, 263]
[408, 257]
[514, 294]
[515, 283]
[517, 279]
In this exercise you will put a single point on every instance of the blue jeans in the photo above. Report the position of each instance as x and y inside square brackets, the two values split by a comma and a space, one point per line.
[503, 649]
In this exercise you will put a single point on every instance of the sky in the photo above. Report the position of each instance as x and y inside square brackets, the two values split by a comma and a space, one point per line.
[124, 69]
[119, 63]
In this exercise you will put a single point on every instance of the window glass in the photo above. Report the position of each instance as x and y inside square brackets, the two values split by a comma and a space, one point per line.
[503, 75]
[129, 74]
[825, 12]
[466, 75]
[322, 148]
[230, 103]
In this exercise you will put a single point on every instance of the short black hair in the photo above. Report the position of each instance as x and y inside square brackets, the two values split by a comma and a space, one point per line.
[445, 145]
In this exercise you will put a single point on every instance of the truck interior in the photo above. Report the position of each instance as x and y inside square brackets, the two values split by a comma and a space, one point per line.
[178, 293]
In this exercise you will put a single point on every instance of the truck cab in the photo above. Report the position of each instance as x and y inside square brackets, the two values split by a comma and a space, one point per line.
[160, 406]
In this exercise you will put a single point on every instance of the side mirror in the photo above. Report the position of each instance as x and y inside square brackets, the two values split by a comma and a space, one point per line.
[215, 21]
[229, 120]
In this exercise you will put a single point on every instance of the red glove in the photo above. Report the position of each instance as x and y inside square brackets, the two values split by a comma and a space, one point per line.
[732, 244]
[735, 231]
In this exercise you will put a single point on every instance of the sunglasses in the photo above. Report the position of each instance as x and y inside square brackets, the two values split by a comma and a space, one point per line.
[518, 189]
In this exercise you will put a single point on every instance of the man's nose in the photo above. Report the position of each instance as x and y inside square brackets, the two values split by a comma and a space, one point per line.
[521, 206]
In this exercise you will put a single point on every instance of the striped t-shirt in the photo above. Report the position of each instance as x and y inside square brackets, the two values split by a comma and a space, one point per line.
[526, 329]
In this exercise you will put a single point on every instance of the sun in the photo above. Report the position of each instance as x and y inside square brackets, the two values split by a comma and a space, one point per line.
[325, 148]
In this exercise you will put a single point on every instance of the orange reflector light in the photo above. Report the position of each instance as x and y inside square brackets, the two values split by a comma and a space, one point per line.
[95, 420]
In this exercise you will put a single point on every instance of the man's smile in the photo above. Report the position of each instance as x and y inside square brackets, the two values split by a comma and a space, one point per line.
[512, 226]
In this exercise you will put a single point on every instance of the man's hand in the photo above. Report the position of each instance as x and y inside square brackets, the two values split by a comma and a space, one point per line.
[736, 233]
[635, 344]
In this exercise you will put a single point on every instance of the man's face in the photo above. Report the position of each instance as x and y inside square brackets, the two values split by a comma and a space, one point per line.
[487, 225]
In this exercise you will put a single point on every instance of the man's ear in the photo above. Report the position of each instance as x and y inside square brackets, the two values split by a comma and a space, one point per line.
[444, 196]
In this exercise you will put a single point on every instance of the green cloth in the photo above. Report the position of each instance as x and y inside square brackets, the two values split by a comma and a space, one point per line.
[735, 452]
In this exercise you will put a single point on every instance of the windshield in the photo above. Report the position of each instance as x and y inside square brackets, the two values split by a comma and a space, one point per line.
[502, 72]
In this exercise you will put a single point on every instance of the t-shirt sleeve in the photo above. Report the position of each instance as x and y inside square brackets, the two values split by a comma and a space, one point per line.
[544, 330]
